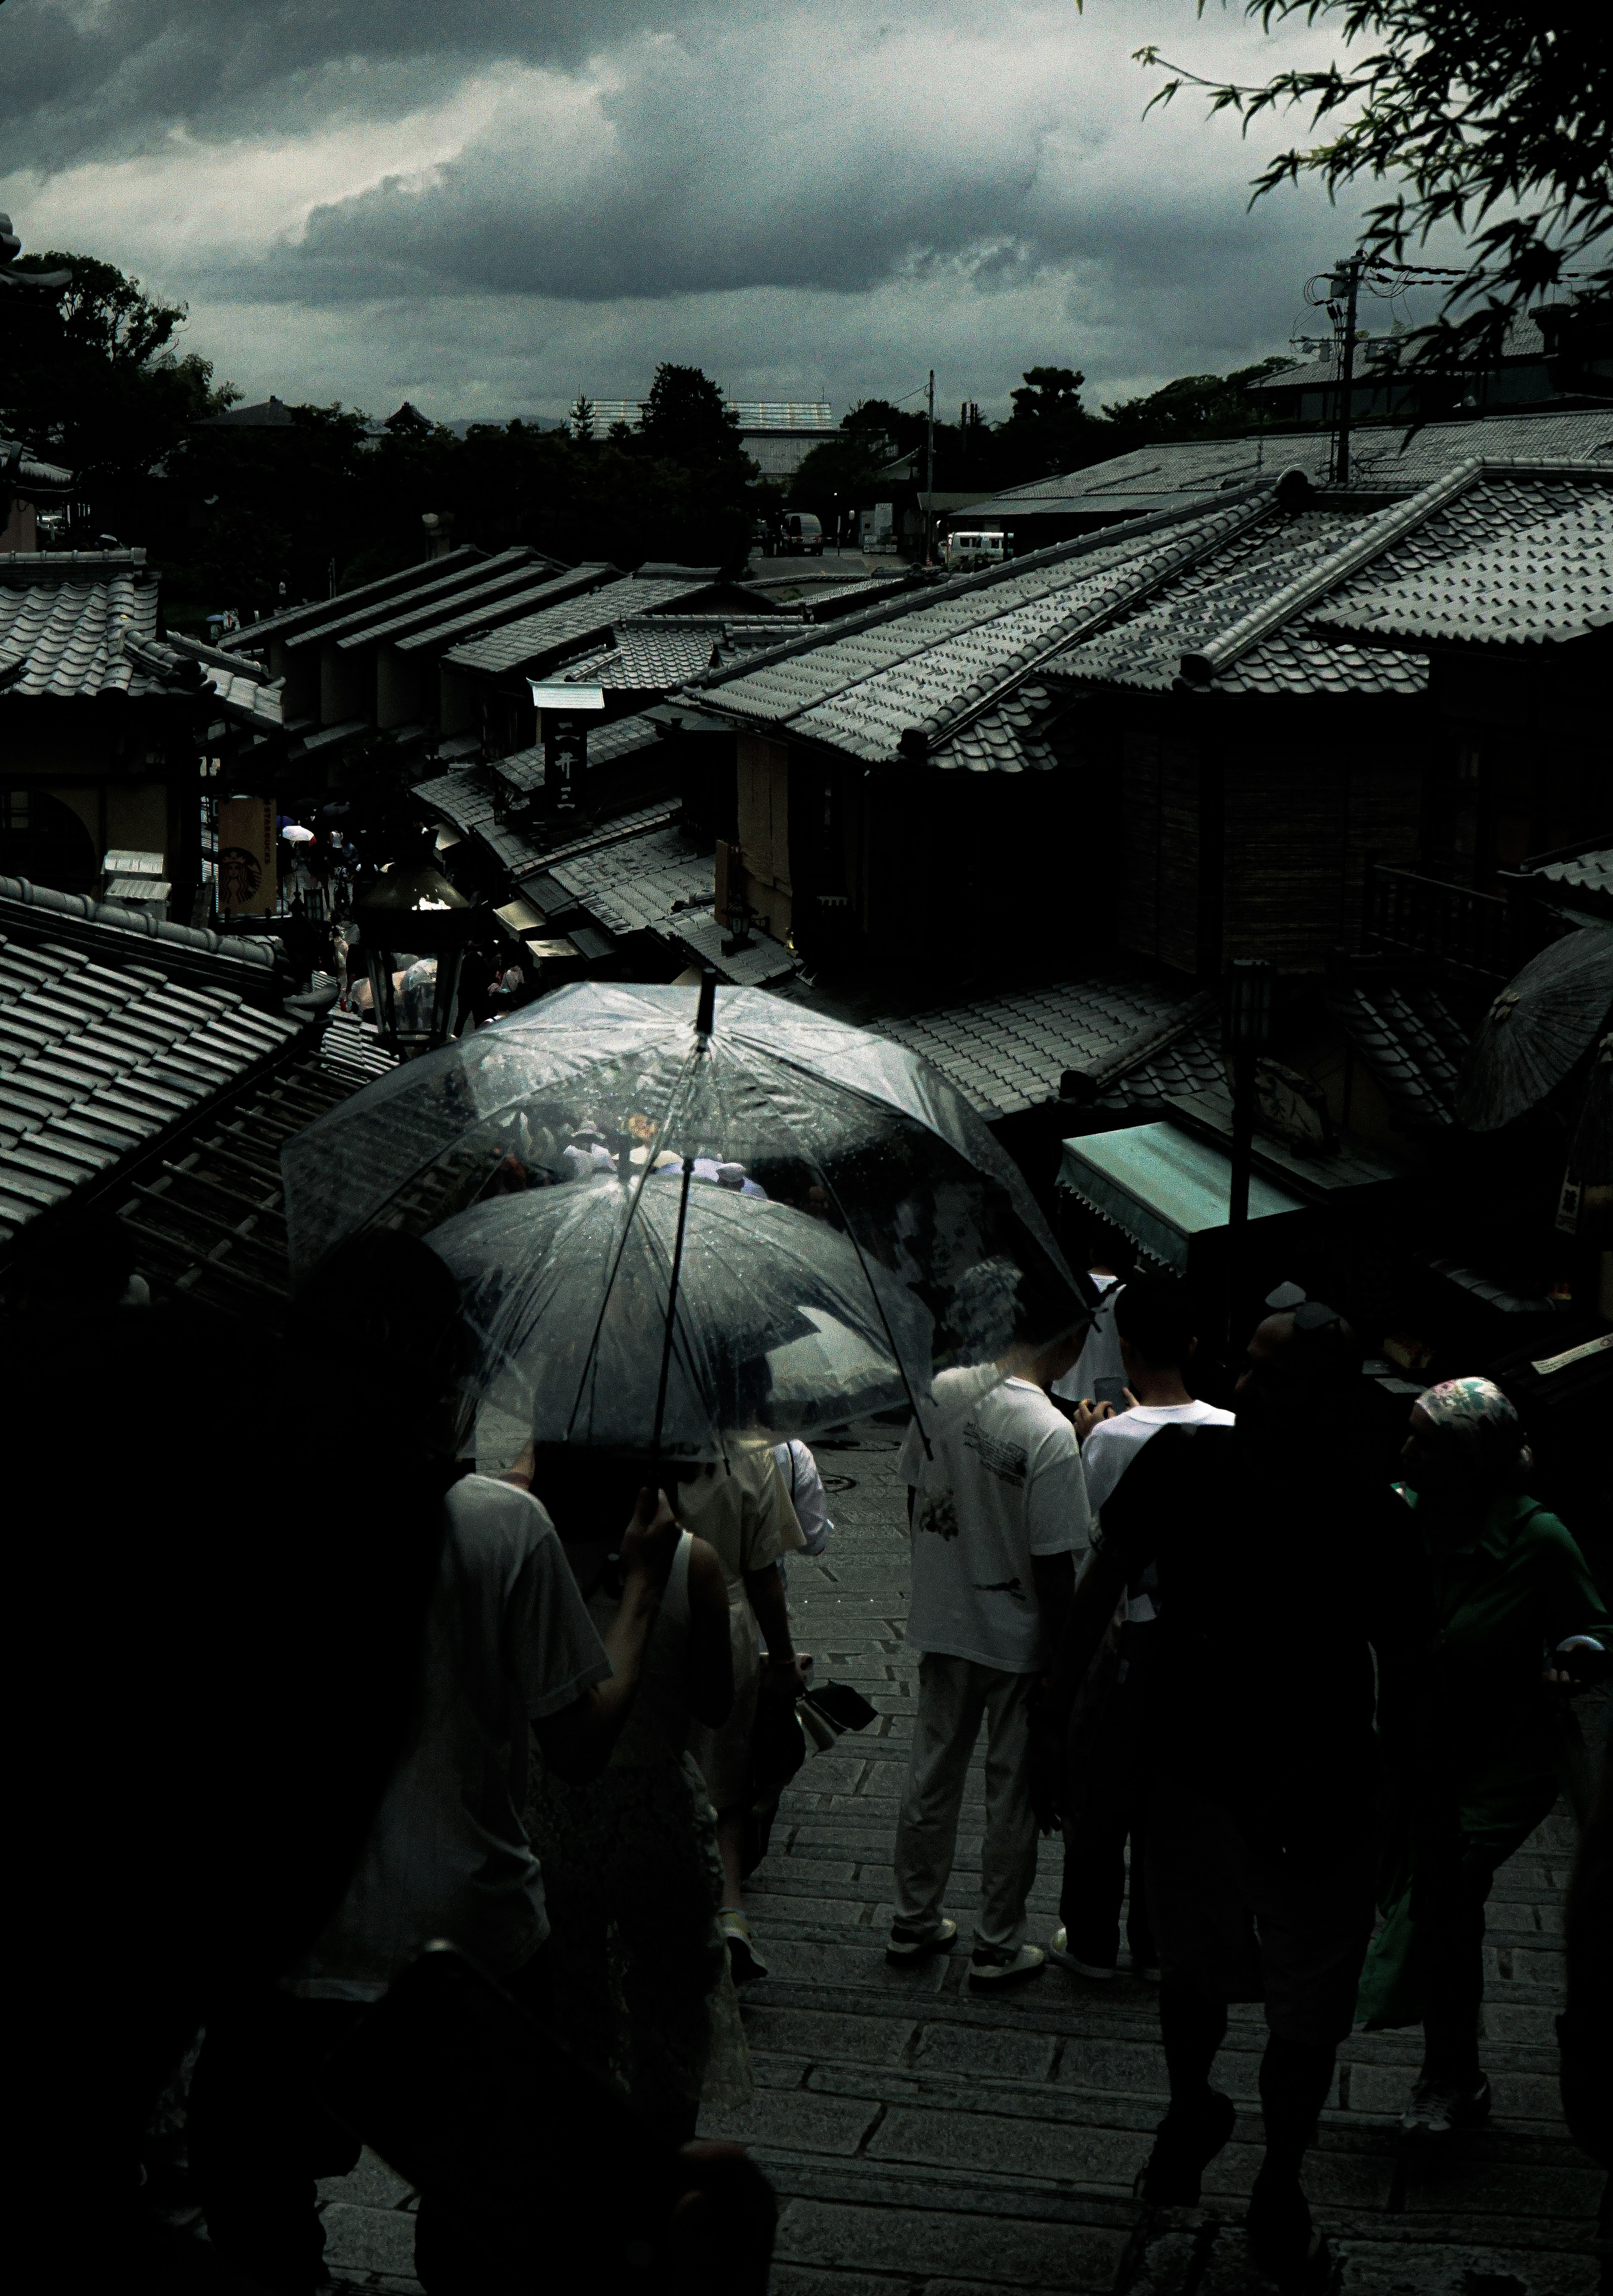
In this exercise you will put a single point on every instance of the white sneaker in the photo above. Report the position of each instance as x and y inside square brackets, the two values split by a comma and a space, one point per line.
[744, 1962]
[994, 1964]
[1439, 2108]
[905, 1945]
[1057, 1949]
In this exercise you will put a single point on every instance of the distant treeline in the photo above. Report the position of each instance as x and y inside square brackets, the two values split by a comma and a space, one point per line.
[247, 516]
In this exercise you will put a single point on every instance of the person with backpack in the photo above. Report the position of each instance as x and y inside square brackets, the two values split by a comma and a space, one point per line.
[1154, 1327]
[1291, 1679]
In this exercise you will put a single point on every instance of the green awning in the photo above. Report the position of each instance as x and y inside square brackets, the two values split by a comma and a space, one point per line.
[1162, 1188]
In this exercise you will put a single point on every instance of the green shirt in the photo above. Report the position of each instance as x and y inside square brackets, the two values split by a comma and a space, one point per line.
[1504, 1600]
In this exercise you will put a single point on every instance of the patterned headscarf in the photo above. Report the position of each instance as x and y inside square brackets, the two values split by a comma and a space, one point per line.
[1475, 1414]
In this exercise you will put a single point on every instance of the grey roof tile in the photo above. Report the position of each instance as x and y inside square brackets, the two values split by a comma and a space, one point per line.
[571, 625]
[1291, 599]
[74, 637]
[95, 1059]
[1522, 584]
[1009, 1051]
[630, 886]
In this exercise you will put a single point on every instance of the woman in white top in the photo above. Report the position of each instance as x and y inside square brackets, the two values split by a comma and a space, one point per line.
[642, 1990]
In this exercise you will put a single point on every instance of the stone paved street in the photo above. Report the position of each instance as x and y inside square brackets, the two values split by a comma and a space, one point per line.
[925, 2143]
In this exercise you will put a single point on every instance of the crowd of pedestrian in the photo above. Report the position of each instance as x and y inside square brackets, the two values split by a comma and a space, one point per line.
[1289, 1717]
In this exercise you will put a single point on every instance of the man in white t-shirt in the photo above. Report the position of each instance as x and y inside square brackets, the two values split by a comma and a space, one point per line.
[1154, 1328]
[999, 1518]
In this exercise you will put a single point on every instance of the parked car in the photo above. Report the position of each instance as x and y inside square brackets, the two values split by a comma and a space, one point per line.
[800, 535]
[974, 546]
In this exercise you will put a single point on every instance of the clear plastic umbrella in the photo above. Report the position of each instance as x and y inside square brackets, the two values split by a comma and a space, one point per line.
[778, 1322]
[639, 1085]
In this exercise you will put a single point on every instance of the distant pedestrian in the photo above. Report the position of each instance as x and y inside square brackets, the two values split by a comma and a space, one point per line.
[1154, 1330]
[1522, 1625]
[1288, 1590]
[999, 1516]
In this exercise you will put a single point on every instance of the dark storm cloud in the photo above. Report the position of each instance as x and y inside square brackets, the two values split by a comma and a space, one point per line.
[93, 78]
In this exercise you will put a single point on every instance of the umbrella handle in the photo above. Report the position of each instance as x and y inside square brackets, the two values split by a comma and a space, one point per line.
[678, 1261]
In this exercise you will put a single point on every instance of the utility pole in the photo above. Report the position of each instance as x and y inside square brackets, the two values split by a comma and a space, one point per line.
[1350, 272]
[930, 473]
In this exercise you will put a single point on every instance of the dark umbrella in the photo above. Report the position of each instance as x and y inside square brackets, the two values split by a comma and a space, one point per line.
[843, 1127]
[779, 1324]
[1545, 1019]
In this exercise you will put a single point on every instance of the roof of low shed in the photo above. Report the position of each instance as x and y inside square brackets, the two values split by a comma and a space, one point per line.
[574, 621]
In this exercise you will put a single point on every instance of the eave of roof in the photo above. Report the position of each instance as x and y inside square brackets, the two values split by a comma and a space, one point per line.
[296, 619]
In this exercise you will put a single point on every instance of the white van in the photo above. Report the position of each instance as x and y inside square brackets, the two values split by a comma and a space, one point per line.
[800, 535]
[973, 546]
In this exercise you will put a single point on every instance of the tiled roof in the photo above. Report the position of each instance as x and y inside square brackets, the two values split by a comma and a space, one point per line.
[1525, 586]
[529, 851]
[1247, 622]
[460, 628]
[1029, 733]
[196, 943]
[1411, 1041]
[620, 738]
[1380, 457]
[30, 471]
[1583, 881]
[212, 1223]
[630, 886]
[1007, 1053]
[439, 595]
[574, 623]
[1190, 1062]
[520, 774]
[71, 636]
[655, 655]
[244, 695]
[1523, 339]
[902, 678]
[760, 962]
[99, 1060]
[457, 798]
[516, 582]
[316, 612]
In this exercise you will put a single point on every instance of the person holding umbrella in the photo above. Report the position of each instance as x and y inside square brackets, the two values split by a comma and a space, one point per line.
[1522, 1625]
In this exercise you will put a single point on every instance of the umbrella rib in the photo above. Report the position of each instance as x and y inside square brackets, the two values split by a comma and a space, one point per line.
[644, 1179]
[813, 1164]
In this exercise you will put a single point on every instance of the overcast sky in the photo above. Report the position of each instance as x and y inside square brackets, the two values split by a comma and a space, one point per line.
[486, 207]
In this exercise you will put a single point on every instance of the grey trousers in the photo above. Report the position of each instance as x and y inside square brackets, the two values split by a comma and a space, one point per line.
[954, 1696]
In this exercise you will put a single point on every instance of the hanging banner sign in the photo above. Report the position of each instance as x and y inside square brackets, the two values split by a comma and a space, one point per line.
[248, 876]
